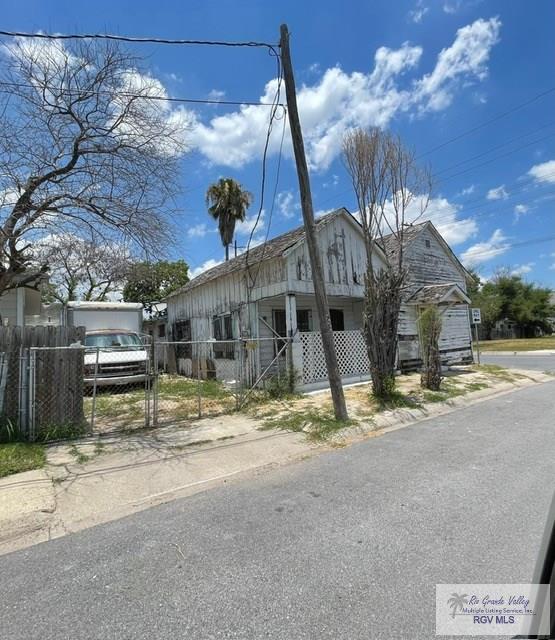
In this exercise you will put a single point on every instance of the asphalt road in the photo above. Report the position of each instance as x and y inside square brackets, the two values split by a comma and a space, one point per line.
[540, 362]
[349, 544]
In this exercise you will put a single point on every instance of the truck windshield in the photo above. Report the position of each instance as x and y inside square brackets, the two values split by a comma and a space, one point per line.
[105, 340]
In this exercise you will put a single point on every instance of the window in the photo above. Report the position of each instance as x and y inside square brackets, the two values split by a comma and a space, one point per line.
[428, 244]
[108, 340]
[304, 320]
[337, 320]
[161, 330]
[222, 329]
[182, 333]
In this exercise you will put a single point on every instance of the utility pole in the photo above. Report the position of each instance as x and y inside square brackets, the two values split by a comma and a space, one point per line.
[339, 406]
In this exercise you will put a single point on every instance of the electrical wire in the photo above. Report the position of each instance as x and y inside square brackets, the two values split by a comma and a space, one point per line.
[135, 39]
[499, 146]
[129, 94]
[495, 118]
[273, 116]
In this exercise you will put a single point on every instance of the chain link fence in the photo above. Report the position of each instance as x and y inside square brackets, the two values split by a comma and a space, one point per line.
[51, 393]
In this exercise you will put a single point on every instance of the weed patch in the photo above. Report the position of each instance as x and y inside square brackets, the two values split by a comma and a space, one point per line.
[317, 424]
[16, 457]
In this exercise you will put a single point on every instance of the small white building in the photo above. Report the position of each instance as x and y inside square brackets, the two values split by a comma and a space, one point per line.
[269, 294]
[22, 305]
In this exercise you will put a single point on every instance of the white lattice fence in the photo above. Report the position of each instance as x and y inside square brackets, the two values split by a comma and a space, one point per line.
[352, 356]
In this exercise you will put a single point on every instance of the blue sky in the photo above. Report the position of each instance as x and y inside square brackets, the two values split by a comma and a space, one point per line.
[426, 69]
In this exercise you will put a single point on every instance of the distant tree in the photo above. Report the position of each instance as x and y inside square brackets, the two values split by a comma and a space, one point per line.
[509, 296]
[490, 303]
[527, 304]
[82, 147]
[150, 282]
[227, 203]
[82, 269]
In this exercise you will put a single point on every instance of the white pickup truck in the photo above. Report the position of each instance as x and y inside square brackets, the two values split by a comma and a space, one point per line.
[115, 353]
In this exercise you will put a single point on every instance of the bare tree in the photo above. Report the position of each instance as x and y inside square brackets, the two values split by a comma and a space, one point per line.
[387, 182]
[87, 143]
[82, 269]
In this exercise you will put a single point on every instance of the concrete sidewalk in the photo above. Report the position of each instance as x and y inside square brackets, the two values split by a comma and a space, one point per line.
[95, 480]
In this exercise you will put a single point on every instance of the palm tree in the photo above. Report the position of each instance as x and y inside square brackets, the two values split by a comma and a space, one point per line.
[227, 203]
[457, 602]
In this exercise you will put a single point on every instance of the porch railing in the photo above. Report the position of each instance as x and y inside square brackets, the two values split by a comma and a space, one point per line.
[352, 356]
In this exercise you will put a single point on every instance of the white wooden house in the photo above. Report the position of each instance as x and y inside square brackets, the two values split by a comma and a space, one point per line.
[269, 293]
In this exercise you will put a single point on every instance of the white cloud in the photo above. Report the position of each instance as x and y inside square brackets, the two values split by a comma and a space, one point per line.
[197, 231]
[193, 273]
[544, 172]
[245, 228]
[522, 269]
[451, 7]
[418, 12]
[443, 215]
[466, 58]
[484, 251]
[216, 94]
[286, 204]
[499, 193]
[467, 191]
[339, 100]
[520, 210]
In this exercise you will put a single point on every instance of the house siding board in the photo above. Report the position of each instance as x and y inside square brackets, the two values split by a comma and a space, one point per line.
[430, 265]
[343, 255]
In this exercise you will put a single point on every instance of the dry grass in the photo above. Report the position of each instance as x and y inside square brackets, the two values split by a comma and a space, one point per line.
[522, 344]
[313, 414]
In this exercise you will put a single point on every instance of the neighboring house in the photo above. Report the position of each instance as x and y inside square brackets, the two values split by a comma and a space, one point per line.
[269, 294]
[21, 305]
[155, 323]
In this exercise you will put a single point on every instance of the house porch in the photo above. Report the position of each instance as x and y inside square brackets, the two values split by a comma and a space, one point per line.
[295, 316]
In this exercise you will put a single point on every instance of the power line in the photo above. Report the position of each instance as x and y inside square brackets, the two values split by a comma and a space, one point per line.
[499, 146]
[499, 116]
[273, 116]
[499, 157]
[511, 245]
[135, 39]
[127, 94]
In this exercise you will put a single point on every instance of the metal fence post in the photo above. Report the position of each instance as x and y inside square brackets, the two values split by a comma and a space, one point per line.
[154, 386]
[239, 375]
[148, 380]
[31, 394]
[199, 393]
[23, 390]
[93, 405]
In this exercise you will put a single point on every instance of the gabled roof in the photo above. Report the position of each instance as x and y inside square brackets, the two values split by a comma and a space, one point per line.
[410, 233]
[448, 293]
[274, 248]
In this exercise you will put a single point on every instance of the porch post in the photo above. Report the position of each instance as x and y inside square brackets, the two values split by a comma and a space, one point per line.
[295, 351]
